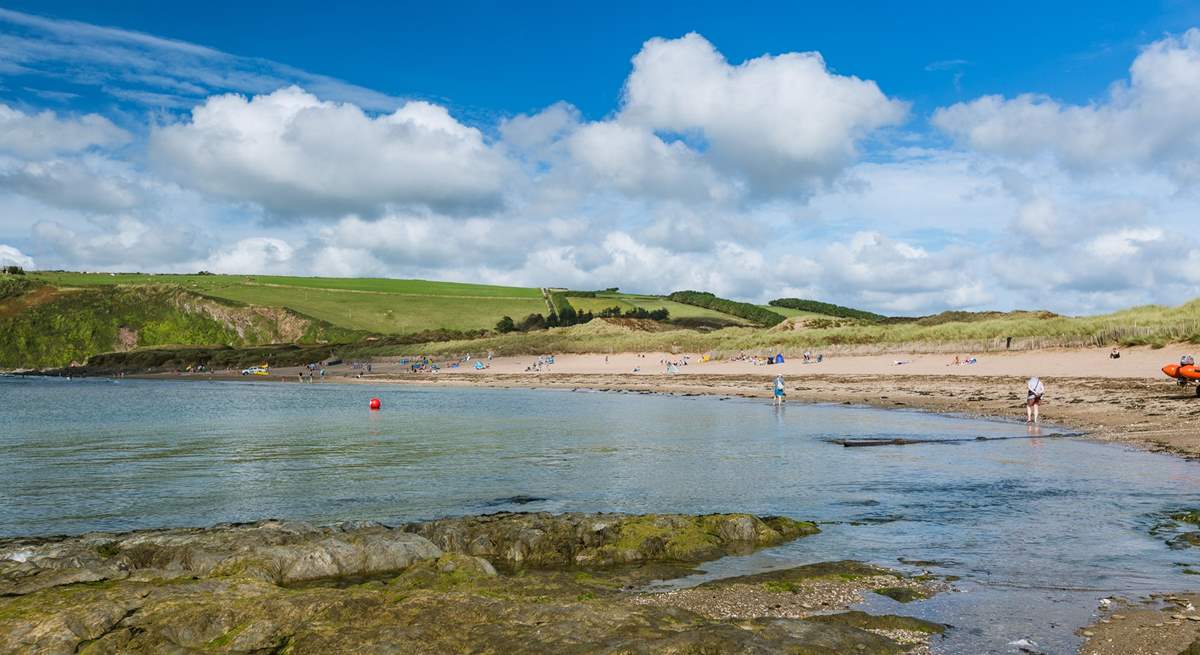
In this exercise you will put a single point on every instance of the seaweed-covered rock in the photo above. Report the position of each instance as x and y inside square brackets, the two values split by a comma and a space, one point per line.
[288, 587]
[225, 615]
[548, 540]
[864, 621]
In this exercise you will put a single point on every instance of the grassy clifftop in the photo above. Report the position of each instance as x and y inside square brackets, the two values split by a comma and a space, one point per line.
[46, 326]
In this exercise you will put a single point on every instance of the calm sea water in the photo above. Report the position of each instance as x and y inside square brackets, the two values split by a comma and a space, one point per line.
[1039, 530]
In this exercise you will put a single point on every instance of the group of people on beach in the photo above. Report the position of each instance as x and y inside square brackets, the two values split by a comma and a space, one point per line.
[308, 371]
[540, 364]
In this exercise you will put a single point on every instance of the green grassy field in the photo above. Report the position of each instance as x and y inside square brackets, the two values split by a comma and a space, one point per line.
[371, 304]
[366, 284]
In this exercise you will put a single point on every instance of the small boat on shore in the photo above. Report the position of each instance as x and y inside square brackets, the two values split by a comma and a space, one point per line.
[1184, 373]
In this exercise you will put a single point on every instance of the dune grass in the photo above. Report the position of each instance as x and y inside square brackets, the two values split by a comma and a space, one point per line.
[1148, 325]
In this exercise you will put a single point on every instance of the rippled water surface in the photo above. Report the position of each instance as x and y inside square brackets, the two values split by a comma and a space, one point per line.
[1038, 529]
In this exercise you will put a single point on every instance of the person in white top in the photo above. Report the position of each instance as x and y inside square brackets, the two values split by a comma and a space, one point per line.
[1033, 399]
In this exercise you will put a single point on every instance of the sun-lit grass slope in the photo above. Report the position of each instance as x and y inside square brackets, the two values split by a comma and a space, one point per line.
[376, 305]
[369, 284]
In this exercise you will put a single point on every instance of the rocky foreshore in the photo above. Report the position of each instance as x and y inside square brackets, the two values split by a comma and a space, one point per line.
[500, 583]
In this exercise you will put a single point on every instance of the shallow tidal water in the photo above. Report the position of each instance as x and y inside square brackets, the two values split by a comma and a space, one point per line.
[1038, 529]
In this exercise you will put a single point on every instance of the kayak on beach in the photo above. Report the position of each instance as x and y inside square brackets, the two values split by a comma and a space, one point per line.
[1184, 372]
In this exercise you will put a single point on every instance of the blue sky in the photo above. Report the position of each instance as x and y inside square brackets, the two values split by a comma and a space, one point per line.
[906, 158]
[492, 58]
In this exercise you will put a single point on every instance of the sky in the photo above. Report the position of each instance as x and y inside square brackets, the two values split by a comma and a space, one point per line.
[905, 159]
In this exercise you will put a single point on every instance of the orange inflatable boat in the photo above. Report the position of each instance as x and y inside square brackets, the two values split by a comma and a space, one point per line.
[1184, 373]
[1187, 372]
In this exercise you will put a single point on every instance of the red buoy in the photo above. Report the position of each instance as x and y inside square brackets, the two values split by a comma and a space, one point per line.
[375, 404]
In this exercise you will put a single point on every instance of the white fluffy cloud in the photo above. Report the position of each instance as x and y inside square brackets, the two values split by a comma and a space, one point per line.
[90, 185]
[1149, 121]
[746, 179]
[899, 277]
[779, 121]
[10, 256]
[45, 134]
[637, 162]
[114, 242]
[297, 155]
[252, 255]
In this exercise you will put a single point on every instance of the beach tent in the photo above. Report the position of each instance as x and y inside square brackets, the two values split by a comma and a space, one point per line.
[779, 358]
[478, 365]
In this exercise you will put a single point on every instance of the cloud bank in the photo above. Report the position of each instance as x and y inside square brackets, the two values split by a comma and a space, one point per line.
[773, 176]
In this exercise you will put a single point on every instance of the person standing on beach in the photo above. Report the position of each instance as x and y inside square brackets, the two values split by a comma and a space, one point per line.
[779, 390]
[1033, 399]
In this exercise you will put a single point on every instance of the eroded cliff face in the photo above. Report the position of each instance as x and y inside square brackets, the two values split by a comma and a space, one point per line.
[43, 326]
[252, 324]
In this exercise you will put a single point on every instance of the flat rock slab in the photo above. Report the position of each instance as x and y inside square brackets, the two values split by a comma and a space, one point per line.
[284, 587]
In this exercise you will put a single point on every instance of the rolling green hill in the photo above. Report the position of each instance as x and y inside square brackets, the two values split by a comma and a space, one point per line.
[377, 305]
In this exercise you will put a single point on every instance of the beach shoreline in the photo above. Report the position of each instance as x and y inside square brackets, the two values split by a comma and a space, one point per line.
[1127, 400]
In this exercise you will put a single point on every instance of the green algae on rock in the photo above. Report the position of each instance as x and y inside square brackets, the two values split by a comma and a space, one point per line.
[903, 594]
[290, 587]
[591, 540]
[866, 621]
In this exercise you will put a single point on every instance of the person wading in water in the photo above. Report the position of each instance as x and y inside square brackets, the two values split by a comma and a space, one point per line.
[779, 391]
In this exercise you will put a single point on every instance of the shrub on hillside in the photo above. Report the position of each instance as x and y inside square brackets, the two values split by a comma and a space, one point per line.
[828, 309]
[660, 314]
[752, 313]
